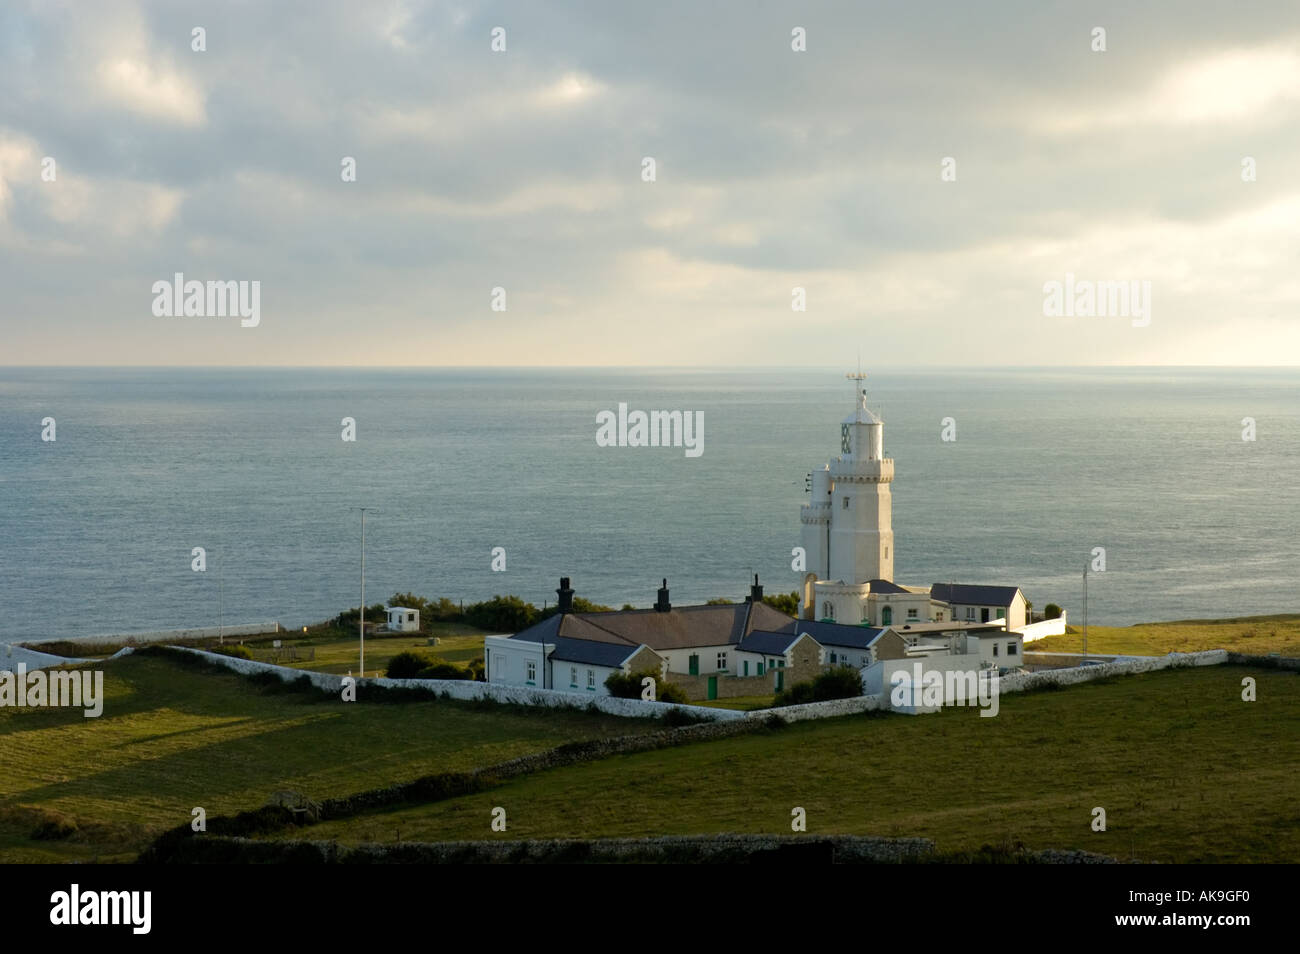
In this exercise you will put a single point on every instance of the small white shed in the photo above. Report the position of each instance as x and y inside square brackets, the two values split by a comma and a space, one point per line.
[403, 619]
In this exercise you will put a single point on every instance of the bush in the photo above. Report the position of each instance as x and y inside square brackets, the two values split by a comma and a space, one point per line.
[787, 603]
[627, 685]
[579, 606]
[838, 682]
[1051, 611]
[237, 650]
[477, 669]
[409, 665]
[796, 695]
[502, 614]
[443, 670]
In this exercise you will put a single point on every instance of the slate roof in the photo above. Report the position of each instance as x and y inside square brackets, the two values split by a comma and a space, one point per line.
[683, 627]
[885, 586]
[768, 644]
[591, 653]
[839, 634]
[974, 594]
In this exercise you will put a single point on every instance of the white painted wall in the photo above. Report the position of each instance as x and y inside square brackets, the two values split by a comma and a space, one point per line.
[679, 659]
[1048, 627]
[403, 619]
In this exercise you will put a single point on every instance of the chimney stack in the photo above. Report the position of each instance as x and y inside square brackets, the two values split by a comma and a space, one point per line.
[663, 606]
[565, 593]
[756, 591]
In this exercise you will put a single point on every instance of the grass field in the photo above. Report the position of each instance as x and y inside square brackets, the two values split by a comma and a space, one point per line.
[1258, 635]
[339, 654]
[173, 737]
[1185, 769]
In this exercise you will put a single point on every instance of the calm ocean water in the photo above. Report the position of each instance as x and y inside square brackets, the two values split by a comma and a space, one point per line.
[96, 528]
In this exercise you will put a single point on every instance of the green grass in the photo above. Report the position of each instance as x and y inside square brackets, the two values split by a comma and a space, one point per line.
[339, 654]
[1185, 770]
[1258, 635]
[173, 737]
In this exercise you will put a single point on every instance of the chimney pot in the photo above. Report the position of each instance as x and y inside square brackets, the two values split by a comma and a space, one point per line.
[663, 606]
[565, 593]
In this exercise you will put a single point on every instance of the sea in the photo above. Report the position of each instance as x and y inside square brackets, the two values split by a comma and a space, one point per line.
[1187, 479]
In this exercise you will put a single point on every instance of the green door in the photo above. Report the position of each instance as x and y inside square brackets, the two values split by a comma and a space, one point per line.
[780, 679]
[694, 665]
[713, 687]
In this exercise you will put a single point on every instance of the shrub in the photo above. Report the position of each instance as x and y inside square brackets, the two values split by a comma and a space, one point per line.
[796, 695]
[1051, 611]
[838, 682]
[236, 650]
[502, 614]
[408, 665]
[477, 669]
[668, 692]
[579, 606]
[787, 603]
[627, 685]
[443, 670]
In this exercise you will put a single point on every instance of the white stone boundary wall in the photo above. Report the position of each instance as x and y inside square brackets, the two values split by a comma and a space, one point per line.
[464, 689]
[638, 708]
[824, 710]
[1123, 665]
[1048, 627]
[163, 636]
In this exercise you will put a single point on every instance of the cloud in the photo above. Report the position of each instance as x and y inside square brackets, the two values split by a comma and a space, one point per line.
[153, 91]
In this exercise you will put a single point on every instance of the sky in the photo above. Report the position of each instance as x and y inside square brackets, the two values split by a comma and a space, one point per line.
[922, 171]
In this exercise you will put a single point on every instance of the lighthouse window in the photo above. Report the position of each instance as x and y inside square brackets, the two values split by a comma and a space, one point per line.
[846, 503]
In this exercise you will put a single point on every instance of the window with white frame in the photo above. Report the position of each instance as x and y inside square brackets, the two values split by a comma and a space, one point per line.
[722, 661]
[532, 671]
[591, 679]
[573, 676]
[995, 649]
[911, 613]
[970, 613]
[1011, 649]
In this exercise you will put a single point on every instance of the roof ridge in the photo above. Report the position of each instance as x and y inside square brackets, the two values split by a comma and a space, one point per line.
[606, 629]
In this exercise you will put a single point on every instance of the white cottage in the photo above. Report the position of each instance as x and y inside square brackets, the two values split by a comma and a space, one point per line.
[403, 619]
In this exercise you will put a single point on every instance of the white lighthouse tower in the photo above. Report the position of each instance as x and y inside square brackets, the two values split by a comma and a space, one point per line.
[847, 527]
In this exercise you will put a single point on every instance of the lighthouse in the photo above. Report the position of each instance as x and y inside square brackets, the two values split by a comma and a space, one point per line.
[847, 530]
